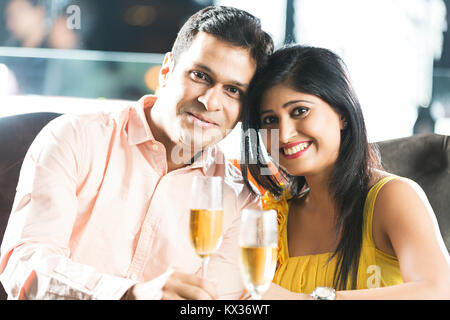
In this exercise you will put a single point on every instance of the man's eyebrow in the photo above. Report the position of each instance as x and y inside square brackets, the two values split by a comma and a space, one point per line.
[209, 70]
[288, 104]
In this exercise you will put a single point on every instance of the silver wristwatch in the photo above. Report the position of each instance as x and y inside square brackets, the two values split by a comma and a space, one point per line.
[323, 293]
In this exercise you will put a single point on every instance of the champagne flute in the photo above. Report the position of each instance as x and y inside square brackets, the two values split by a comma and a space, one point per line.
[206, 217]
[258, 241]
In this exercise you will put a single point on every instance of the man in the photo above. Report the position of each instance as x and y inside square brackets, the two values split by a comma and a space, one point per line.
[102, 204]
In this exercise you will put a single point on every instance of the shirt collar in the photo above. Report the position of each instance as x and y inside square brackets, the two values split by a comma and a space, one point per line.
[207, 161]
[138, 129]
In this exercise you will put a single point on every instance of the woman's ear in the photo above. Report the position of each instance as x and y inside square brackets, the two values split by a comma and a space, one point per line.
[343, 123]
[166, 69]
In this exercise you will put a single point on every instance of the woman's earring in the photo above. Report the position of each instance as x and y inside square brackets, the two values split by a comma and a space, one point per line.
[344, 124]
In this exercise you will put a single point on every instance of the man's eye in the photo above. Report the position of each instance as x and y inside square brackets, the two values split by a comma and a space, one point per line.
[269, 120]
[198, 75]
[235, 92]
[299, 111]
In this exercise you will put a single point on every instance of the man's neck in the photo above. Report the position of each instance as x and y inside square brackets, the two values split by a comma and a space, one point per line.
[183, 158]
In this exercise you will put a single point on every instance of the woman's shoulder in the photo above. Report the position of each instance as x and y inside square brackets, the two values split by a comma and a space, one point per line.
[397, 196]
[400, 204]
[392, 185]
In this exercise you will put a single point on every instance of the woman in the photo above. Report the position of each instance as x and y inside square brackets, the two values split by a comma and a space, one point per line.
[344, 223]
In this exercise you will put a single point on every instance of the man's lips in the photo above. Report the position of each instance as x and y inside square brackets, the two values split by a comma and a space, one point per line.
[295, 149]
[201, 120]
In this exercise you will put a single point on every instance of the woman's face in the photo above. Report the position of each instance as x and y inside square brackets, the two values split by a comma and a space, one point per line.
[308, 130]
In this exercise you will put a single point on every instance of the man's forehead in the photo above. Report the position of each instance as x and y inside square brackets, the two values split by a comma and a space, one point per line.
[205, 43]
[219, 58]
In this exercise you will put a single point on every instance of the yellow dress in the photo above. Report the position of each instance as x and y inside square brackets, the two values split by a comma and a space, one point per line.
[304, 273]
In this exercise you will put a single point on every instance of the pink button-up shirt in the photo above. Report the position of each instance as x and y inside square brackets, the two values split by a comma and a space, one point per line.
[96, 211]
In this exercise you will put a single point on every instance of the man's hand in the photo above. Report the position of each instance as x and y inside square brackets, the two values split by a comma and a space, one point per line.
[177, 287]
[188, 286]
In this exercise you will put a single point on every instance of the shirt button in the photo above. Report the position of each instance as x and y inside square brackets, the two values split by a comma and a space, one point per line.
[155, 147]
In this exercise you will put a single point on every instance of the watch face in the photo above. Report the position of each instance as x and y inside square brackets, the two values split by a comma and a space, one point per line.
[324, 293]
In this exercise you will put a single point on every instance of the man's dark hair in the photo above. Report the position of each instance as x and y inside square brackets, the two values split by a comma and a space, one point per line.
[235, 26]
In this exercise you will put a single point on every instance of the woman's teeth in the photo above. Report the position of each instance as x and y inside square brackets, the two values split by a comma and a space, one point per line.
[296, 149]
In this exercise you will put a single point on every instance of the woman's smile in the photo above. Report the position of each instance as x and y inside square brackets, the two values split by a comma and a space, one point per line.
[295, 149]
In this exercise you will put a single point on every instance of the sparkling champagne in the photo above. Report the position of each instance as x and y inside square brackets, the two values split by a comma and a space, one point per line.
[258, 267]
[205, 230]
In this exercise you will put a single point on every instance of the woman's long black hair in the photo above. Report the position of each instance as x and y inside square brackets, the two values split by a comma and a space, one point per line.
[322, 73]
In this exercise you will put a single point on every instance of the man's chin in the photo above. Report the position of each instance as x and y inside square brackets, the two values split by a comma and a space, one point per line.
[201, 139]
[202, 145]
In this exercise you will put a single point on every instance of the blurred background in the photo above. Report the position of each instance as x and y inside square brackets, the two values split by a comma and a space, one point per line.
[70, 54]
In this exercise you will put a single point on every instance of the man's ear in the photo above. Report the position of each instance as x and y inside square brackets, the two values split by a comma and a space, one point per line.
[166, 69]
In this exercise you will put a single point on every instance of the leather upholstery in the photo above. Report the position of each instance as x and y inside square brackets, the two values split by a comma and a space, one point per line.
[426, 160]
[16, 135]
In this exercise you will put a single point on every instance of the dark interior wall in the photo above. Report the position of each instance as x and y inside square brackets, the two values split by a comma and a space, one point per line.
[444, 62]
[125, 25]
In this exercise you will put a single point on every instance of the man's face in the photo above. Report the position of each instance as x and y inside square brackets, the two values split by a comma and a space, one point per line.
[201, 95]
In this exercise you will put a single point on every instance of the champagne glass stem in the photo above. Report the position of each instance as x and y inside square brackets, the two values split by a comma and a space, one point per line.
[205, 262]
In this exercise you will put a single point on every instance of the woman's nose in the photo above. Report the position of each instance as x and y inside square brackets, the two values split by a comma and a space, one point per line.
[287, 130]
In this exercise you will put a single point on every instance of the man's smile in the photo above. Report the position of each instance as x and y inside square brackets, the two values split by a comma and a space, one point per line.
[200, 120]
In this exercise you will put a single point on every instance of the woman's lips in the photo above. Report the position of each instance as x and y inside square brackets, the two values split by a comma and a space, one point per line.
[200, 121]
[295, 149]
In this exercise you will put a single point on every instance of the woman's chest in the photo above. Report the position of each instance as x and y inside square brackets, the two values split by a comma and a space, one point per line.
[309, 233]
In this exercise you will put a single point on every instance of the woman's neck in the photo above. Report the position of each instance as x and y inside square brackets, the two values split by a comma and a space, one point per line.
[320, 199]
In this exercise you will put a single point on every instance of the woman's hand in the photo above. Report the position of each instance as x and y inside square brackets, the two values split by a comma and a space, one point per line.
[276, 292]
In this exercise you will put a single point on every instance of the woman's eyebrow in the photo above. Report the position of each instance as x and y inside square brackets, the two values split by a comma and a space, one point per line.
[265, 111]
[288, 104]
[296, 101]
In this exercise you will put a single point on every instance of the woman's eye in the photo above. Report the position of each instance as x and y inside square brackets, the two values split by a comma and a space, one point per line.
[299, 111]
[269, 120]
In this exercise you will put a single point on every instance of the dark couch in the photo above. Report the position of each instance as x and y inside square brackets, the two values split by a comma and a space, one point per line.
[423, 158]
[16, 134]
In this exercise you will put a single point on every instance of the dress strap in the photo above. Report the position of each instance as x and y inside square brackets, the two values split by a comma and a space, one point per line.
[369, 206]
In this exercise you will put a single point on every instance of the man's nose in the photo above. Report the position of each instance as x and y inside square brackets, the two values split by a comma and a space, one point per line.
[211, 99]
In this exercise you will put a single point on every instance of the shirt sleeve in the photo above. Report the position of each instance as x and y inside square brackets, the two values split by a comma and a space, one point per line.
[35, 255]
